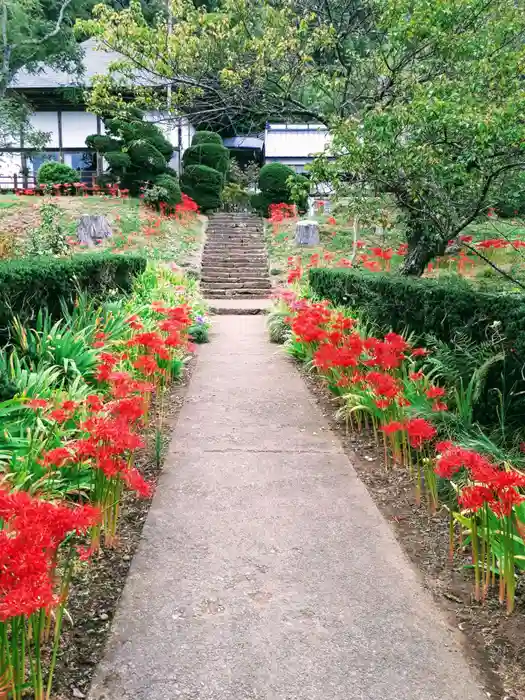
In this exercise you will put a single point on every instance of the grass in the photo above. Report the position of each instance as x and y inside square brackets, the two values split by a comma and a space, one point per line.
[337, 240]
[134, 227]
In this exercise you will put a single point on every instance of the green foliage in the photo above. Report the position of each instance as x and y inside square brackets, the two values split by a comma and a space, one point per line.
[450, 311]
[204, 185]
[274, 178]
[136, 150]
[235, 197]
[28, 285]
[198, 333]
[50, 237]
[53, 173]
[201, 137]
[274, 182]
[213, 155]
[165, 188]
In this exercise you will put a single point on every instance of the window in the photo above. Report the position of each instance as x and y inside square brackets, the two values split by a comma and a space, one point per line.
[37, 161]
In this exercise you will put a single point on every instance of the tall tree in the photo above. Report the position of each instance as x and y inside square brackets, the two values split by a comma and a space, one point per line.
[32, 33]
[424, 97]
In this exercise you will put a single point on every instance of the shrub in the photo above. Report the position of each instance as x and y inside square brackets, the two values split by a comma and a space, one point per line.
[213, 155]
[274, 183]
[166, 189]
[445, 310]
[204, 185]
[50, 237]
[206, 137]
[274, 178]
[136, 150]
[52, 173]
[28, 285]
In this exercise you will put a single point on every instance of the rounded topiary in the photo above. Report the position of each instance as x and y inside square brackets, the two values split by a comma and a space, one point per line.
[117, 160]
[206, 137]
[52, 173]
[213, 155]
[204, 185]
[273, 177]
[172, 187]
[147, 156]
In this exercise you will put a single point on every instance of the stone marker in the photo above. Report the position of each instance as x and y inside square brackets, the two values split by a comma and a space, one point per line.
[93, 229]
[307, 233]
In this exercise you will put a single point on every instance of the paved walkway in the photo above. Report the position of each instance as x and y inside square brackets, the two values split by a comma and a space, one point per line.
[266, 572]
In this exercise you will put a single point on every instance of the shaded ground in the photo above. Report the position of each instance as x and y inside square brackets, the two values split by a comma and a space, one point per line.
[494, 640]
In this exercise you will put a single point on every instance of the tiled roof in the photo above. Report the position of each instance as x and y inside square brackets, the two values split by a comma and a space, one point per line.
[95, 61]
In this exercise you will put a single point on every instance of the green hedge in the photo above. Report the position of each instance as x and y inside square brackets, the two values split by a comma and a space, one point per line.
[442, 309]
[204, 185]
[206, 137]
[214, 155]
[30, 284]
[53, 173]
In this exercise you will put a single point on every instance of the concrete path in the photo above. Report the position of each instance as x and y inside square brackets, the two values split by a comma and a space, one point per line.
[266, 572]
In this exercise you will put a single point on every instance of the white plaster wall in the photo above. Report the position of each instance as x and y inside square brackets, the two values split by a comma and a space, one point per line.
[48, 122]
[76, 126]
[295, 140]
[10, 164]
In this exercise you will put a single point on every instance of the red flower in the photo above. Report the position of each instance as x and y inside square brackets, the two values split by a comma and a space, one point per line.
[393, 427]
[37, 404]
[419, 352]
[419, 431]
[416, 376]
[435, 392]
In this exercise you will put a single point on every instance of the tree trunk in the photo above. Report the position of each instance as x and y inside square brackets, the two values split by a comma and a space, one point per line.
[424, 244]
[416, 259]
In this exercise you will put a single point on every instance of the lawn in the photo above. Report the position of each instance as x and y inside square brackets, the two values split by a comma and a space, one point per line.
[500, 241]
[134, 226]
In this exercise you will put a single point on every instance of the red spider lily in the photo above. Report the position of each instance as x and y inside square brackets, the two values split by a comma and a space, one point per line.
[394, 426]
[147, 365]
[419, 431]
[435, 392]
[37, 404]
[419, 352]
[57, 457]
[416, 376]
[59, 415]
[439, 406]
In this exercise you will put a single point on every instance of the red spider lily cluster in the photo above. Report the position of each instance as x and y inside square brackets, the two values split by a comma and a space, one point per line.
[94, 440]
[78, 189]
[281, 212]
[185, 212]
[381, 388]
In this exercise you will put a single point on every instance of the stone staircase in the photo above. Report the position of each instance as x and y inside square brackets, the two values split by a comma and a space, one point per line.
[234, 261]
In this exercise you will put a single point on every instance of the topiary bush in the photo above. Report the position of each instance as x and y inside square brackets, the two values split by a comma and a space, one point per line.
[165, 189]
[206, 137]
[136, 151]
[53, 173]
[274, 185]
[204, 185]
[213, 155]
[30, 284]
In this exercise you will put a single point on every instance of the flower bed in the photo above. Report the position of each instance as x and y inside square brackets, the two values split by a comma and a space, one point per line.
[382, 386]
[84, 387]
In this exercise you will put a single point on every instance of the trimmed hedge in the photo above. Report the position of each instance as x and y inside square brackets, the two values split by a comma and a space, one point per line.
[204, 185]
[213, 155]
[274, 188]
[53, 173]
[442, 309]
[206, 137]
[29, 284]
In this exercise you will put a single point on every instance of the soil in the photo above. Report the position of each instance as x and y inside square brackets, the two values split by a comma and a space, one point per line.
[97, 587]
[492, 640]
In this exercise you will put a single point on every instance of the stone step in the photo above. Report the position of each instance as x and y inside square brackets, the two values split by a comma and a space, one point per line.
[221, 284]
[238, 274]
[244, 281]
[231, 293]
[234, 251]
[228, 267]
[213, 258]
